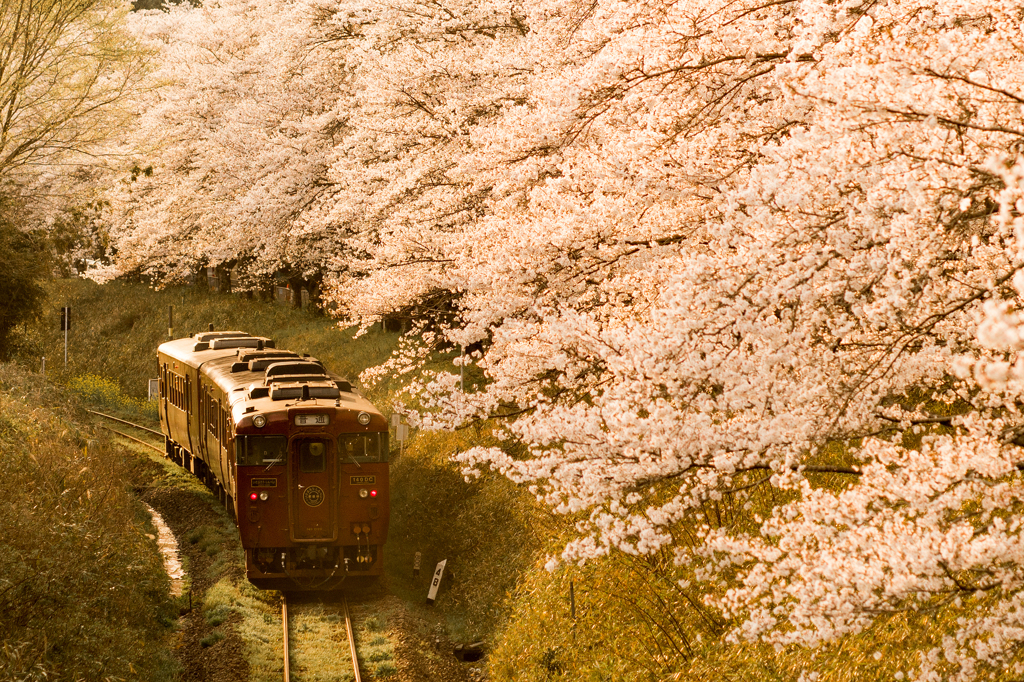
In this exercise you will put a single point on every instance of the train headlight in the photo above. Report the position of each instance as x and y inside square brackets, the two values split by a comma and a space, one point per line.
[363, 492]
[363, 418]
[264, 496]
[259, 421]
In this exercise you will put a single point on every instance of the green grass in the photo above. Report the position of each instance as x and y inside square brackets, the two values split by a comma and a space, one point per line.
[633, 620]
[82, 587]
[105, 394]
[116, 328]
[487, 531]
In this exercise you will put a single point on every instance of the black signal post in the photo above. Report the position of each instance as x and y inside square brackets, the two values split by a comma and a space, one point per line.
[65, 326]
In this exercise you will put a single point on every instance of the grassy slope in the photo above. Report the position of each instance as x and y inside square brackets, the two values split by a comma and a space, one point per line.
[484, 530]
[82, 588]
[623, 618]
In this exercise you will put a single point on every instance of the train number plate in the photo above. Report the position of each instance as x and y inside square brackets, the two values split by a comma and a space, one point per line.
[312, 419]
[362, 480]
[264, 483]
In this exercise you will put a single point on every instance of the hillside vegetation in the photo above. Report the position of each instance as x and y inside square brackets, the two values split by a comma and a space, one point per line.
[622, 617]
[83, 591]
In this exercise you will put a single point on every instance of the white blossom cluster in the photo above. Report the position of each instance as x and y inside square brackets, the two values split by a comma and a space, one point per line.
[690, 245]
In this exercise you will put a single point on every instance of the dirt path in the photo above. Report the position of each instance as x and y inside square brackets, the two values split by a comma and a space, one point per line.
[222, 661]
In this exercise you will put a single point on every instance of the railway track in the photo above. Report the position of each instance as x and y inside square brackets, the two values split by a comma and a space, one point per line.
[318, 616]
[125, 435]
[315, 616]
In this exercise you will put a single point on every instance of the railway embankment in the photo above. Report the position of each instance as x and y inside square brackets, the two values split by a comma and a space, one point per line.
[83, 592]
[618, 617]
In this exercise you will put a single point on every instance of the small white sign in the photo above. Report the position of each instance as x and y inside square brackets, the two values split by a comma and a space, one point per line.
[396, 419]
[154, 385]
[312, 420]
[402, 433]
[436, 582]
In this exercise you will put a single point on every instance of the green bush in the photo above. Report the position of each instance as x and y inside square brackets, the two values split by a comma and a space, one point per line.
[24, 264]
[82, 588]
[99, 392]
[385, 669]
[211, 639]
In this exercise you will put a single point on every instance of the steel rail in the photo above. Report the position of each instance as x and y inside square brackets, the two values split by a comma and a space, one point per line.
[144, 428]
[351, 639]
[349, 630]
[287, 653]
[140, 442]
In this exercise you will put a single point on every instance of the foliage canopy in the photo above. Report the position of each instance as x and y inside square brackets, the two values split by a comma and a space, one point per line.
[692, 249]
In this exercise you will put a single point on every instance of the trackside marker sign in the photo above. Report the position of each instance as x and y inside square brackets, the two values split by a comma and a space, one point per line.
[436, 582]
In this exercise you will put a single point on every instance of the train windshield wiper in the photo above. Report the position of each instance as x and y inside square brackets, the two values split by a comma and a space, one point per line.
[353, 458]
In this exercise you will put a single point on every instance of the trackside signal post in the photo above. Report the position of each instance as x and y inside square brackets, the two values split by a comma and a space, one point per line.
[65, 326]
[401, 432]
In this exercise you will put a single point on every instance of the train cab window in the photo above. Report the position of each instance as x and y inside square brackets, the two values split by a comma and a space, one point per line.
[312, 456]
[261, 450]
[363, 447]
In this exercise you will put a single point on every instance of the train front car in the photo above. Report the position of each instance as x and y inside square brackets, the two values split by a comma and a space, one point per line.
[312, 481]
[293, 450]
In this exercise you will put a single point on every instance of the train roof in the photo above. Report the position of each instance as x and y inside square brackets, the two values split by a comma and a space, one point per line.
[251, 370]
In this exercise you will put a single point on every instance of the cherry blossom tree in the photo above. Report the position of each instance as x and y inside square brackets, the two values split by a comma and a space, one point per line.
[727, 240]
[693, 249]
[296, 134]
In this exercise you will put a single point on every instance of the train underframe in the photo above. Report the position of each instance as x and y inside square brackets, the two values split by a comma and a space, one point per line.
[312, 567]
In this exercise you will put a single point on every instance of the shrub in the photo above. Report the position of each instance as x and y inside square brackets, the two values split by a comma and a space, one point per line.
[82, 588]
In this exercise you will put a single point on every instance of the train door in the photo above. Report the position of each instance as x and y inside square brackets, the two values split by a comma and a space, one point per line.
[313, 490]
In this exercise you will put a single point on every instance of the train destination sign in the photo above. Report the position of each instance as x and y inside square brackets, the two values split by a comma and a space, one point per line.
[362, 480]
[312, 419]
[264, 483]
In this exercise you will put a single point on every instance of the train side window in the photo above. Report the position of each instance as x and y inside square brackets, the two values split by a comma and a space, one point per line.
[211, 424]
[363, 447]
[261, 450]
[312, 456]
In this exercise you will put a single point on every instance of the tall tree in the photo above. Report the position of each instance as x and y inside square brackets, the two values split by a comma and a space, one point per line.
[695, 248]
[23, 266]
[66, 66]
[68, 71]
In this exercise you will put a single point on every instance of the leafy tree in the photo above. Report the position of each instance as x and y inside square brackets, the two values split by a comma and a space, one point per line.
[66, 66]
[67, 70]
[697, 250]
[24, 265]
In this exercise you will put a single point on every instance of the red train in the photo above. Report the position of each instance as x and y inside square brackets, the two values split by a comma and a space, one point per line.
[294, 452]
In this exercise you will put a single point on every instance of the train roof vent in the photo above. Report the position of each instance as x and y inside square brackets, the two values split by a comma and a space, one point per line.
[317, 389]
[261, 364]
[245, 355]
[294, 367]
[293, 378]
[262, 359]
[257, 392]
[210, 336]
[234, 342]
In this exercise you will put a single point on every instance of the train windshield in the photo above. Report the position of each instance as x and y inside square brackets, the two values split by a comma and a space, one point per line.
[265, 450]
[363, 447]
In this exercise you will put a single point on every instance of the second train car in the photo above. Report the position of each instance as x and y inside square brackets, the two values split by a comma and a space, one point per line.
[294, 452]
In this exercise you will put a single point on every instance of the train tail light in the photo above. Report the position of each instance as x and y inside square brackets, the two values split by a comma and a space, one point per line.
[373, 493]
[253, 496]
